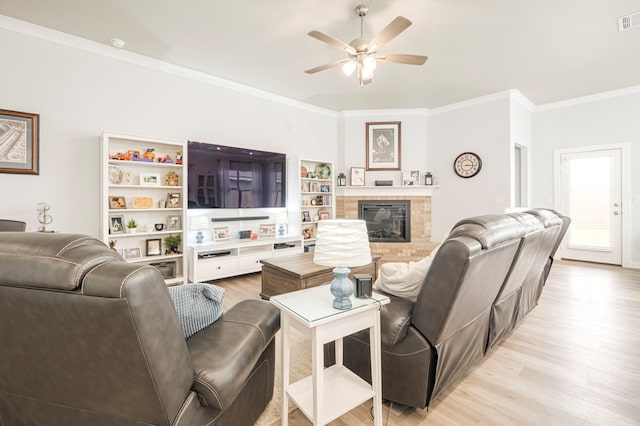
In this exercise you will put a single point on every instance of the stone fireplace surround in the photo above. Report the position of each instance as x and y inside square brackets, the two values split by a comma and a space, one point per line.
[420, 246]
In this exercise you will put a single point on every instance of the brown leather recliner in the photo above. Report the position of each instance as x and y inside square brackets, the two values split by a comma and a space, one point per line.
[471, 296]
[89, 339]
[426, 345]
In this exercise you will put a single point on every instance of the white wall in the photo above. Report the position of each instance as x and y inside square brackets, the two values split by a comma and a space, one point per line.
[520, 129]
[482, 128]
[600, 122]
[414, 155]
[80, 94]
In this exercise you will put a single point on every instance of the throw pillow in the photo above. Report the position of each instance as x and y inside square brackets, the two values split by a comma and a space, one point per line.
[404, 279]
[197, 305]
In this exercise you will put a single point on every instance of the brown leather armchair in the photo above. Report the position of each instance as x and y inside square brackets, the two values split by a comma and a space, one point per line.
[89, 339]
[8, 225]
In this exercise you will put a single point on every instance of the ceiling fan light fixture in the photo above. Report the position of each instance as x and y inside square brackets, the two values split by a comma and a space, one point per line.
[369, 64]
[349, 67]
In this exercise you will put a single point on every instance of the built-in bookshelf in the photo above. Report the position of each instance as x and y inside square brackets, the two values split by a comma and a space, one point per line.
[317, 197]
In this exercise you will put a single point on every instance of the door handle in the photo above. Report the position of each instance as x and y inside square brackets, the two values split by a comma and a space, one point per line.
[616, 205]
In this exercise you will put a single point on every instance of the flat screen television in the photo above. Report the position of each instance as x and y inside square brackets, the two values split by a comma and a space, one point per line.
[231, 177]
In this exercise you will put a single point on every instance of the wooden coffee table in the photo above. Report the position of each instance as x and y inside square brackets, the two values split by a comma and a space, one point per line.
[290, 273]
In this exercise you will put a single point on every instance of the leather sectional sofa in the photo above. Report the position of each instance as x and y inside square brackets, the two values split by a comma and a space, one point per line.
[89, 339]
[484, 279]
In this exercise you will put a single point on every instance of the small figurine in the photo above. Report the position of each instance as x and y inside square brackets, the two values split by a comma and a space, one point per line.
[150, 154]
[166, 159]
[179, 157]
[112, 244]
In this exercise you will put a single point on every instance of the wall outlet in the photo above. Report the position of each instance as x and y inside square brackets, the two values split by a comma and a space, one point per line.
[636, 199]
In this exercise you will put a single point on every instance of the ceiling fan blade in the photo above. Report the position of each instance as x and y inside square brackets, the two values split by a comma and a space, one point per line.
[332, 41]
[400, 58]
[389, 32]
[326, 66]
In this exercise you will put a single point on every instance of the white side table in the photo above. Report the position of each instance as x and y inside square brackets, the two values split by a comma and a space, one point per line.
[329, 393]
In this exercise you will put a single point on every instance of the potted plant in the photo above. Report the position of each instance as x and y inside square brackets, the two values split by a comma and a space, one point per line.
[132, 226]
[172, 243]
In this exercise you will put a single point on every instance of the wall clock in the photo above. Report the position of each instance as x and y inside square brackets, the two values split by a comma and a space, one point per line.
[467, 164]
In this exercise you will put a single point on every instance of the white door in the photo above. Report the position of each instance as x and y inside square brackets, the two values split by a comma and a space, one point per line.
[591, 196]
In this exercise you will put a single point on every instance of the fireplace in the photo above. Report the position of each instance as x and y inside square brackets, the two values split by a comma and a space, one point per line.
[388, 221]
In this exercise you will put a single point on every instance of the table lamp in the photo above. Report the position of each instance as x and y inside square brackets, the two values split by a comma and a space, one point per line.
[199, 223]
[342, 243]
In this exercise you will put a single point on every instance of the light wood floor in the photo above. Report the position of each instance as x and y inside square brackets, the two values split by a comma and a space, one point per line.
[574, 360]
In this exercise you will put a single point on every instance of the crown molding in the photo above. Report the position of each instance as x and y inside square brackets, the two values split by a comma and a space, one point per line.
[80, 43]
[590, 98]
[384, 112]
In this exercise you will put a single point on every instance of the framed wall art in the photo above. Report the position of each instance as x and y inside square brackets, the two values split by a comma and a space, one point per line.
[20, 142]
[267, 230]
[383, 145]
[173, 200]
[357, 176]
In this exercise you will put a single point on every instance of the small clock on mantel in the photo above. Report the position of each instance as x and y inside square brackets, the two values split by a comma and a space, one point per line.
[467, 164]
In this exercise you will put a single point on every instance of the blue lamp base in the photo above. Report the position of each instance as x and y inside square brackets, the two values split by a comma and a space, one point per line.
[341, 288]
[199, 237]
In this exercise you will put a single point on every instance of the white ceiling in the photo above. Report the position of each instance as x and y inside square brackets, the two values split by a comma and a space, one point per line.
[550, 50]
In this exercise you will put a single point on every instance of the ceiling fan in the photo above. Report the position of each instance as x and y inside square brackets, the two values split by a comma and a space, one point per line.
[363, 53]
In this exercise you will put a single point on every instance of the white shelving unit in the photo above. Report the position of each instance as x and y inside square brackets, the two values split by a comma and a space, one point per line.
[317, 196]
[140, 191]
[235, 257]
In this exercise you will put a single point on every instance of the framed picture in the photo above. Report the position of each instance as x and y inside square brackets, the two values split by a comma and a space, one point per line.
[154, 247]
[383, 145]
[221, 233]
[323, 214]
[19, 133]
[357, 176]
[117, 202]
[173, 222]
[149, 179]
[131, 253]
[306, 217]
[173, 200]
[325, 188]
[116, 224]
[267, 230]
[411, 178]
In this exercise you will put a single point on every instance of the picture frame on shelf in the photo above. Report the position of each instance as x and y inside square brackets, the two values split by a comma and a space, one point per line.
[411, 178]
[221, 233]
[325, 188]
[173, 222]
[117, 202]
[153, 247]
[24, 154]
[383, 150]
[357, 176]
[306, 216]
[174, 200]
[308, 233]
[116, 224]
[130, 253]
[267, 230]
[324, 214]
[150, 179]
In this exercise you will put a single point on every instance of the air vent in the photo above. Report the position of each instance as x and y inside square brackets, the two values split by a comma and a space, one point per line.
[629, 21]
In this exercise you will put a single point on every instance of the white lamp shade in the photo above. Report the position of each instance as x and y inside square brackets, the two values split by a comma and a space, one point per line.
[342, 243]
[199, 222]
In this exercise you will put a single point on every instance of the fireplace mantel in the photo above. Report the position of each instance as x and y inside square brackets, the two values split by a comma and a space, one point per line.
[370, 191]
